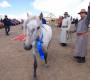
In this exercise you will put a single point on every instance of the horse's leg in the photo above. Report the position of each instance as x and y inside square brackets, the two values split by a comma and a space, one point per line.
[35, 66]
[46, 65]
[45, 55]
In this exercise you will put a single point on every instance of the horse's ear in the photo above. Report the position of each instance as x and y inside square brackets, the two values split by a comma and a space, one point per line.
[41, 16]
[28, 15]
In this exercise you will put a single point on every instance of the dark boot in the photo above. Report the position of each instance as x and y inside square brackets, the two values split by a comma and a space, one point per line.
[82, 60]
[7, 34]
[77, 57]
[63, 44]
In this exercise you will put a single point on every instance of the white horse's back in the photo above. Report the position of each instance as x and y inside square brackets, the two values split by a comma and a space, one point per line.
[47, 31]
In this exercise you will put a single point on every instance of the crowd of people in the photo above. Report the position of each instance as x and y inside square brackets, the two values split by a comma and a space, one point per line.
[73, 21]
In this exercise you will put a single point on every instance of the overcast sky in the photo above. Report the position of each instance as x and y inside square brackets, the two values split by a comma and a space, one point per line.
[19, 8]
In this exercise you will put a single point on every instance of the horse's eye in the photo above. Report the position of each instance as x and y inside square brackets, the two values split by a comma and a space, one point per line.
[33, 30]
[38, 27]
[34, 18]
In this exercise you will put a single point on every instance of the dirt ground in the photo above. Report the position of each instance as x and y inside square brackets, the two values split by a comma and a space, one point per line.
[17, 63]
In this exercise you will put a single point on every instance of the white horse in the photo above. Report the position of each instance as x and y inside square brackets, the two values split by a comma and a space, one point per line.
[34, 27]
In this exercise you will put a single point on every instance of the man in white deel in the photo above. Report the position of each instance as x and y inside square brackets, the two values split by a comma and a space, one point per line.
[66, 24]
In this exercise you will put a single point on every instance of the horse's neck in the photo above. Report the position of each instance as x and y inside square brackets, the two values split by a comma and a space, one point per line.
[40, 34]
[39, 37]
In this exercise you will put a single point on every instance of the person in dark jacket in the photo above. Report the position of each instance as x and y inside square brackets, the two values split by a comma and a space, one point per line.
[76, 22]
[43, 20]
[6, 22]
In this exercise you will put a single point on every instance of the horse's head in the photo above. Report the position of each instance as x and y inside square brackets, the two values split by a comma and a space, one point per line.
[32, 27]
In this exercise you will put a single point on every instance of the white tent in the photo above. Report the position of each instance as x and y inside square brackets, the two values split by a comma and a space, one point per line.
[51, 15]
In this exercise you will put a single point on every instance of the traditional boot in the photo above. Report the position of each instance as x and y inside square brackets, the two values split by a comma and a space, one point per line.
[77, 57]
[64, 44]
[82, 60]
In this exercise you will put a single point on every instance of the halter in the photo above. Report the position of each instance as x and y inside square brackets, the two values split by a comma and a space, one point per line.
[39, 47]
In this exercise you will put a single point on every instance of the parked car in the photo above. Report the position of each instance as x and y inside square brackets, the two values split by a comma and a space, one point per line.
[12, 23]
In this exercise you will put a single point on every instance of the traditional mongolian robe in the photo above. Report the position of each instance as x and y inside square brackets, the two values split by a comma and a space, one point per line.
[82, 37]
[66, 24]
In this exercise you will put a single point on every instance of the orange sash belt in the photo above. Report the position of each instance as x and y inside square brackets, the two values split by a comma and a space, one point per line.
[82, 34]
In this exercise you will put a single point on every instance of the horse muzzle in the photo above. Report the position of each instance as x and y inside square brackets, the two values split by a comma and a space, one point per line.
[27, 47]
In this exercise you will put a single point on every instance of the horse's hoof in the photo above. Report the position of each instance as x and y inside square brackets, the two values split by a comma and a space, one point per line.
[46, 65]
[34, 78]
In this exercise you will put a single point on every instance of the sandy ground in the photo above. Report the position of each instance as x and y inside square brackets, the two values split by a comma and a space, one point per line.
[17, 63]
